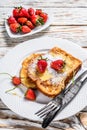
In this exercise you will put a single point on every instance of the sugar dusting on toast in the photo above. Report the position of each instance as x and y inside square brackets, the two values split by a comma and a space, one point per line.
[52, 82]
[50, 74]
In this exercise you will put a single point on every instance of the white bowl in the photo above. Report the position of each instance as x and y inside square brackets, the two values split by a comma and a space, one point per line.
[35, 30]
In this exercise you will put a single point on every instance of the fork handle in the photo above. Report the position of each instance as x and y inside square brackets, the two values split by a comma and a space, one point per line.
[50, 116]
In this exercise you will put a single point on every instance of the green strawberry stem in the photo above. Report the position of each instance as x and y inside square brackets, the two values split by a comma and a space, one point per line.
[19, 7]
[7, 74]
[41, 58]
[10, 90]
[41, 21]
[12, 76]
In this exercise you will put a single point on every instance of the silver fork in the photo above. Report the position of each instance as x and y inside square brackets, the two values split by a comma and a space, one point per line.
[52, 105]
[56, 103]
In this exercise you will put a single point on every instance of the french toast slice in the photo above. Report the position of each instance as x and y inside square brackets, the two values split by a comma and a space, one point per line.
[52, 82]
[25, 80]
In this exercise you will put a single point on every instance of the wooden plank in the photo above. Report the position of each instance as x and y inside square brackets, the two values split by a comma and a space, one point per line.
[70, 22]
[76, 34]
[6, 115]
[23, 124]
[62, 16]
[42, 3]
[10, 119]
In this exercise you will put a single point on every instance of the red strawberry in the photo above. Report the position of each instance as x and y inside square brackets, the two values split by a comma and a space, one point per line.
[30, 94]
[22, 20]
[44, 16]
[16, 80]
[57, 65]
[38, 11]
[25, 29]
[16, 12]
[29, 24]
[23, 13]
[15, 27]
[37, 20]
[11, 20]
[41, 65]
[20, 12]
[31, 11]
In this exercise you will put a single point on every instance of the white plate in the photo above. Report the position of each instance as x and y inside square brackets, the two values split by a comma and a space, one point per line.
[35, 30]
[11, 64]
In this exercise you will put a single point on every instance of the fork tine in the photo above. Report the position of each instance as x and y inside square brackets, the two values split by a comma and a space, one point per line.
[43, 109]
[49, 107]
[52, 105]
[46, 112]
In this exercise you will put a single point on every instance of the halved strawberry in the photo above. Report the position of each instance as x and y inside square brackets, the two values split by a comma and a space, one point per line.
[41, 65]
[57, 65]
[30, 94]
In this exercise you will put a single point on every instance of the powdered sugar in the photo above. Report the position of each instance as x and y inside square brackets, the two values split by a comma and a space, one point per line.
[56, 77]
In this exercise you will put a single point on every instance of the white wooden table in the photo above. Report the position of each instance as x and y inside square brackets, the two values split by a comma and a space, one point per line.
[70, 22]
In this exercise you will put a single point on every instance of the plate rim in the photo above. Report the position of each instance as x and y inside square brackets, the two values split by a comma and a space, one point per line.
[18, 46]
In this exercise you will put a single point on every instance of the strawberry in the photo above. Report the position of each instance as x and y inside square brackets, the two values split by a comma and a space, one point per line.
[37, 20]
[16, 80]
[44, 16]
[20, 12]
[11, 20]
[38, 11]
[29, 24]
[25, 29]
[22, 20]
[15, 27]
[23, 13]
[30, 94]
[42, 65]
[16, 12]
[31, 11]
[57, 65]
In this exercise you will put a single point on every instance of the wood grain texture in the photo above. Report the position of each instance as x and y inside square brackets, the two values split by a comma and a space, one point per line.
[42, 3]
[62, 16]
[77, 34]
[70, 22]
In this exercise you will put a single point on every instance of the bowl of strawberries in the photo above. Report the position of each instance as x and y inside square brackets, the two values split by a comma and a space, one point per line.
[25, 22]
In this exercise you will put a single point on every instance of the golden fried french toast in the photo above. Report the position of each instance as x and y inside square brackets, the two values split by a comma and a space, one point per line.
[52, 71]
[25, 80]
